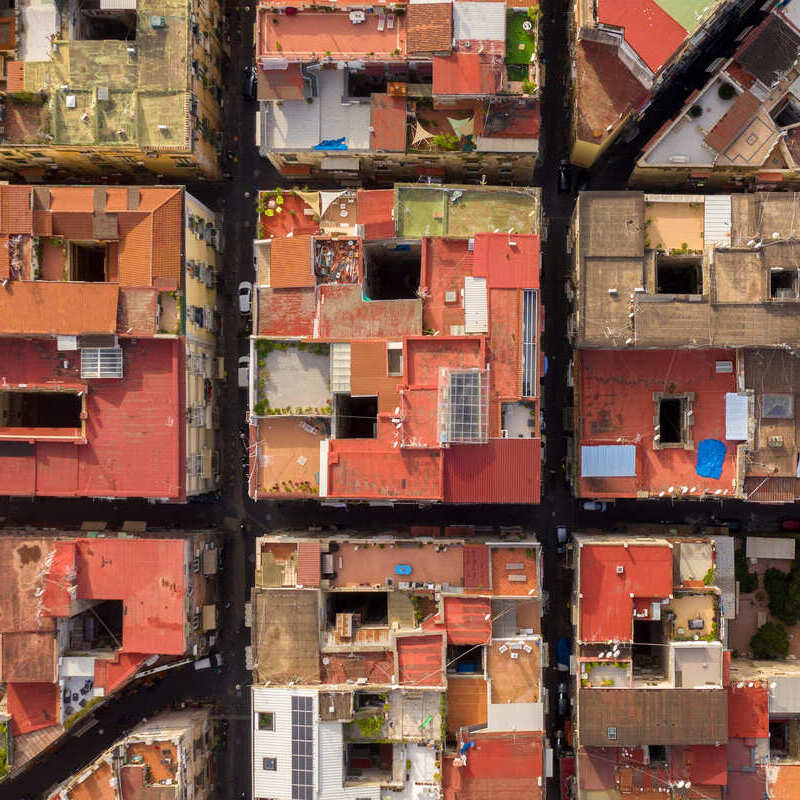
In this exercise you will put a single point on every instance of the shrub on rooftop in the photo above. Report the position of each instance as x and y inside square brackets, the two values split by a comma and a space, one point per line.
[726, 91]
[770, 641]
[695, 111]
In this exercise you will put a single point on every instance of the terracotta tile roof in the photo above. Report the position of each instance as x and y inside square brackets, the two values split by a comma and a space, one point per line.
[15, 71]
[607, 604]
[148, 576]
[281, 84]
[290, 263]
[388, 122]
[466, 620]
[645, 716]
[501, 471]
[721, 135]
[784, 782]
[40, 307]
[649, 29]
[111, 674]
[770, 51]
[748, 712]
[736, 71]
[376, 212]
[308, 563]
[466, 702]
[476, 566]
[430, 27]
[32, 706]
[419, 660]
[467, 74]
[168, 239]
[16, 215]
[28, 657]
[507, 266]
[135, 231]
[5, 257]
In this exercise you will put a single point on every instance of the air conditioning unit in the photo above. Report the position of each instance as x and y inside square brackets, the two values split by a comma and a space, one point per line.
[450, 296]
[620, 569]
[775, 442]
[158, 22]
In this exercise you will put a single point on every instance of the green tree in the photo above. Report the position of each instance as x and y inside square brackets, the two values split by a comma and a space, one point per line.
[784, 594]
[770, 641]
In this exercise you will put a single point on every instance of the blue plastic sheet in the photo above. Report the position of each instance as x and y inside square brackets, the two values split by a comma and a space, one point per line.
[710, 457]
[331, 144]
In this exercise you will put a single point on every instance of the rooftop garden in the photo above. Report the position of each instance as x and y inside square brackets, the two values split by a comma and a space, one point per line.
[605, 674]
[521, 43]
[282, 213]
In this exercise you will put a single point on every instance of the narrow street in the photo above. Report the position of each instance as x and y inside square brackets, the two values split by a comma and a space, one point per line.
[236, 198]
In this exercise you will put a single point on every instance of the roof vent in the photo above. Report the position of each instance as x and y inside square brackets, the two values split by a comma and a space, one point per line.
[158, 22]
[102, 92]
[620, 569]
[70, 101]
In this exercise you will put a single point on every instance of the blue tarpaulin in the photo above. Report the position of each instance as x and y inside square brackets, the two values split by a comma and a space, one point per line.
[710, 456]
[331, 144]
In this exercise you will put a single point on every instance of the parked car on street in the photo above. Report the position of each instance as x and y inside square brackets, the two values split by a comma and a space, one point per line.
[595, 505]
[249, 83]
[563, 700]
[245, 296]
[564, 176]
[562, 534]
[244, 372]
[562, 653]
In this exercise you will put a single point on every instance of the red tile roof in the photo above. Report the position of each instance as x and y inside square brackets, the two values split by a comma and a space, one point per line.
[148, 576]
[28, 657]
[42, 307]
[388, 123]
[16, 76]
[32, 706]
[501, 471]
[57, 601]
[463, 73]
[737, 116]
[308, 563]
[375, 211]
[748, 711]
[419, 660]
[607, 597]
[507, 261]
[740, 74]
[281, 84]
[430, 27]
[649, 30]
[345, 314]
[702, 763]
[466, 620]
[501, 766]
[111, 674]
[286, 312]
[133, 425]
[290, 263]
[476, 567]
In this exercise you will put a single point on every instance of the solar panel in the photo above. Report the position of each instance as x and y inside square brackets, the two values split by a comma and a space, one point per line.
[302, 748]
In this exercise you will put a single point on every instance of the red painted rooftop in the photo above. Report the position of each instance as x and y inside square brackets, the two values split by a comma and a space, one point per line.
[134, 427]
[466, 73]
[32, 706]
[501, 766]
[617, 406]
[148, 576]
[375, 211]
[649, 30]
[507, 261]
[606, 603]
[466, 620]
[748, 711]
[420, 660]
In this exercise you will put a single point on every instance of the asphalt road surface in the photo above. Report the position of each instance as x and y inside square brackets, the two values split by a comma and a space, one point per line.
[226, 690]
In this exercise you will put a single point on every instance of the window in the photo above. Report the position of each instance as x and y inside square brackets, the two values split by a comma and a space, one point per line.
[196, 416]
[783, 284]
[679, 274]
[266, 721]
[612, 734]
[394, 356]
[194, 465]
[269, 764]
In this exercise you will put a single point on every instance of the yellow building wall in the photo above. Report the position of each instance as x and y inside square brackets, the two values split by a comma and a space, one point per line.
[203, 261]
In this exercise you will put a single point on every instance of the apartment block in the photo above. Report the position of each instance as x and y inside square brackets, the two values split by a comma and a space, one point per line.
[740, 130]
[623, 53]
[168, 757]
[382, 92]
[685, 323]
[107, 390]
[650, 713]
[81, 616]
[395, 354]
[398, 664]
[115, 91]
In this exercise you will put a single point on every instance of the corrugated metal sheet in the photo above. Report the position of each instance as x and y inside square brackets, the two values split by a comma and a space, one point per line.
[785, 697]
[340, 367]
[608, 461]
[479, 21]
[736, 416]
[500, 471]
[717, 221]
[476, 315]
[723, 561]
[771, 490]
[766, 547]
[530, 360]
[308, 564]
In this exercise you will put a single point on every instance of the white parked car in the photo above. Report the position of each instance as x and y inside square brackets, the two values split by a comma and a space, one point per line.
[245, 296]
[244, 372]
[595, 505]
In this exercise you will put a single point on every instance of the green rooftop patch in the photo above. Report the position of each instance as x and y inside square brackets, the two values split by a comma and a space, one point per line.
[521, 29]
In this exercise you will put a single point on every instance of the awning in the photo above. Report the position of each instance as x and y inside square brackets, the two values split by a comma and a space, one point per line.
[209, 618]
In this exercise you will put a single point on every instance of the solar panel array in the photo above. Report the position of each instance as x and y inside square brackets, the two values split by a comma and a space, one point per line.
[302, 748]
